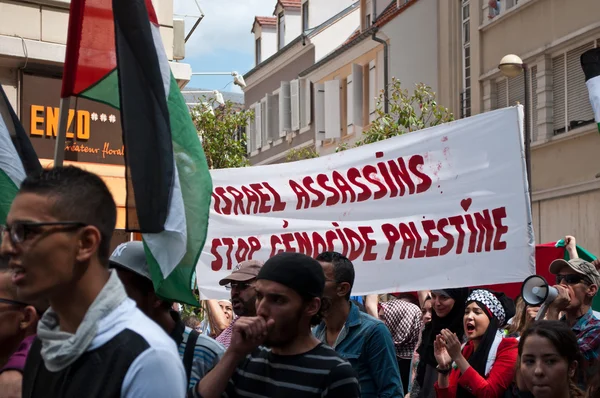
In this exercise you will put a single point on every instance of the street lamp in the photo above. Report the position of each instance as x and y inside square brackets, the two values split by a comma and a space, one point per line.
[512, 65]
[237, 78]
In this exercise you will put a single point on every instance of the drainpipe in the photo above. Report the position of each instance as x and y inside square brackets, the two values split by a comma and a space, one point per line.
[385, 69]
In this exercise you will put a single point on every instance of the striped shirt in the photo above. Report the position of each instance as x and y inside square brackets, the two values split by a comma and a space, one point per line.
[319, 372]
[206, 353]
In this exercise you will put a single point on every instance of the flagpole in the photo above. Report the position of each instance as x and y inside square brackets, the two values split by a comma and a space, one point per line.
[61, 134]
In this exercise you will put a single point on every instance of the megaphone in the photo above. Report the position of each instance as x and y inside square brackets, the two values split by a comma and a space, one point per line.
[536, 291]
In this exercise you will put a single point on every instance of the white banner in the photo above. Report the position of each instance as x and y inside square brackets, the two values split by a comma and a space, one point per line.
[438, 208]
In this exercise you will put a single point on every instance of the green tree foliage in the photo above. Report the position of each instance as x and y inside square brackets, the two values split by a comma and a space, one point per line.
[301, 153]
[407, 112]
[222, 134]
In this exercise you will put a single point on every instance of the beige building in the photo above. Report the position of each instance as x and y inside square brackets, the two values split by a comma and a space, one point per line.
[550, 36]
[33, 37]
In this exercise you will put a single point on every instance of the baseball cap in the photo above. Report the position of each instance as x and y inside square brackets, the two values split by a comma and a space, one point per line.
[578, 265]
[131, 256]
[243, 272]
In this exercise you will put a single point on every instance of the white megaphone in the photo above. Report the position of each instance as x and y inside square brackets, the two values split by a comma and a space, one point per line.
[535, 291]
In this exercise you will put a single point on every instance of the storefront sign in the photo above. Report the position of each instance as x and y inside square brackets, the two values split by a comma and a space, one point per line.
[93, 132]
[439, 208]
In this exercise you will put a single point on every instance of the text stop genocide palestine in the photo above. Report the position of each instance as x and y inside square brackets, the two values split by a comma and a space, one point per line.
[483, 230]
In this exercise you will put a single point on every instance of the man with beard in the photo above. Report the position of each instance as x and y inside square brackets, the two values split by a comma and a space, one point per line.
[243, 295]
[292, 363]
[356, 336]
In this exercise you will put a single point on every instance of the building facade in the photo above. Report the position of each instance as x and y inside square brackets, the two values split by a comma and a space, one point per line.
[299, 33]
[550, 36]
[33, 36]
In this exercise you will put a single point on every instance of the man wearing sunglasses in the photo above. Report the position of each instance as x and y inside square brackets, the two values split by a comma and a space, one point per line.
[92, 342]
[577, 284]
[18, 324]
[243, 296]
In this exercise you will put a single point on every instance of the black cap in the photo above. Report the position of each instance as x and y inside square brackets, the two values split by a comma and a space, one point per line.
[297, 271]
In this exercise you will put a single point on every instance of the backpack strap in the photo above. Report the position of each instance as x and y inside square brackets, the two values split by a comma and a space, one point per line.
[188, 356]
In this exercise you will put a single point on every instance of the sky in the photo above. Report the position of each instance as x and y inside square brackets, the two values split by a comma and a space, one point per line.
[222, 42]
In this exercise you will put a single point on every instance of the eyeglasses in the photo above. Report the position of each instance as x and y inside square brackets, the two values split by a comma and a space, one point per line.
[572, 279]
[18, 232]
[238, 285]
[13, 302]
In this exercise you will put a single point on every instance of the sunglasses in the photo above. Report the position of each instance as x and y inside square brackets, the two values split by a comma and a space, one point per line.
[572, 279]
[238, 285]
[18, 232]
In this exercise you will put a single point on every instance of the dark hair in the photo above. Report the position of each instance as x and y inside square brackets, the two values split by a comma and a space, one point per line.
[191, 321]
[343, 269]
[318, 317]
[564, 341]
[78, 196]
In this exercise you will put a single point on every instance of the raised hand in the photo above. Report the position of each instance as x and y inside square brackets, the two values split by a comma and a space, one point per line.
[453, 346]
[440, 352]
[248, 333]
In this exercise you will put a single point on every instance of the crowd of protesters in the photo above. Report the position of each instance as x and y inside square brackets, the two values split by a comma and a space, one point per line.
[77, 321]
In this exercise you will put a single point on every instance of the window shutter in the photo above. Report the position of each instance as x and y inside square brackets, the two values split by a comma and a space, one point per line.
[273, 118]
[250, 131]
[533, 100]
[558, 91]
[332, 109]
[501, 94]
[258, 123]
[357, 95]
[295, 104]
[349, 103]
[320, 111]
[264, 132]
[285, 122]
[305, 102]
[372, 89]
[579, 108]
[516, 90]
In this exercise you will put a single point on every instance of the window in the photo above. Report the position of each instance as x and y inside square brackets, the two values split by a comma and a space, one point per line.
[280, 30]
[257, 49]
[572, 107]
[305, 25]
[465, 103]
[511, 91]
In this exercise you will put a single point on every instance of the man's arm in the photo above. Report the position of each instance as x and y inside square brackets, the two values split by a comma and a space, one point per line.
[343, 382]
[215, 382]
[10, 384]
[383, 364]
[571, 246]
[248, 333]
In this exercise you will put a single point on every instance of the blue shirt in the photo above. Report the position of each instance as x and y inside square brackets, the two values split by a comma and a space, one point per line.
[367, 344]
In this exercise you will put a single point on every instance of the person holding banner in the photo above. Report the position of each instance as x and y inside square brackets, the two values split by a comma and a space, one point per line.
[448, 311]
[485, 365]
[356, 336]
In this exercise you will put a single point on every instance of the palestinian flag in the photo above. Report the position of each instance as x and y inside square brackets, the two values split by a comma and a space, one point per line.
[115, 55]
[17, 157]
[590, 62]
